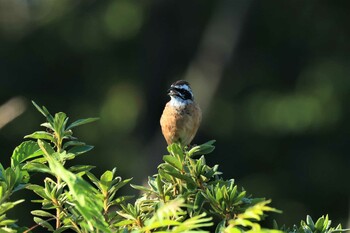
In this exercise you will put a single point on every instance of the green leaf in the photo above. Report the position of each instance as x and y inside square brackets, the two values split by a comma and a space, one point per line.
[310, 222]
[42, 213]
[203, 149]
[59, 120]
[82, 122]
[120, 184]
[36, 167]
[176, 150]
[39, 190]
[107, 176]
[182, 177]
[9, 205]
[43, 223]
[63, 228]
[120, 200]
[47, 125]
[141, 188]
[160, 185]
[81, 168]
[73, 143]
[45, 112]
[199, 202]
[173, 161]
[77, 150]
[41, 135]
[46, 148]
[319, 223]
[6, 222]
[26, 150]
[85, 198]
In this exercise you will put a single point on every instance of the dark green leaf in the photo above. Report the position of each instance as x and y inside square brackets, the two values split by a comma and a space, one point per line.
[81, 168]
[44, 111]
[63, 228]
[160, 186]
[181, 176]
[77, 150]
[203, 149]
[81, 122]
[310, 222]
[73, 143]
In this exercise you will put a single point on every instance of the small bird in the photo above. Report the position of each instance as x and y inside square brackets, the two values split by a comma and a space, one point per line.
[181, 116]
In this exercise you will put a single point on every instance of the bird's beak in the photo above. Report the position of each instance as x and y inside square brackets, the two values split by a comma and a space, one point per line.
[171, 91]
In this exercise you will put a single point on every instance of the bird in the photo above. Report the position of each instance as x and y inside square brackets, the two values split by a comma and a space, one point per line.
[181, 116]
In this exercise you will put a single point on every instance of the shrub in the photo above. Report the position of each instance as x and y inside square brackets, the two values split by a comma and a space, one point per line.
[186, 195]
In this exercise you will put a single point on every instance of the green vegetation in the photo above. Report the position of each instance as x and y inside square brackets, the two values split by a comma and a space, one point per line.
[186, 195]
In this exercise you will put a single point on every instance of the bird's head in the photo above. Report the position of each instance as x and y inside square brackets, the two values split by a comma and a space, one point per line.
[180, 93]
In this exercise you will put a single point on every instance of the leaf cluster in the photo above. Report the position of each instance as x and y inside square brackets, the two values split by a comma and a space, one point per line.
[186, 195]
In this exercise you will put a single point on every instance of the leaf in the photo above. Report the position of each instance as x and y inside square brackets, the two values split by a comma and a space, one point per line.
[77, 150]
[141, 188]
[123, 223]
[81, 168]
[43, 223]
[86, 199]
[82, 122]
[42, 213]
[39, 190]
[9, 205]
[203, 149]
[37, 167]
[45, 112]
[310, 222]
[181, 177]
[120, 200]
[176, 150]
[26, 150]
[121, 184]
[319, 223]
[46, 148]
[173, 161]
[63, 228]
[73, 143]
[58, 124]
[107, 176]
[47, 125]
[199, 202]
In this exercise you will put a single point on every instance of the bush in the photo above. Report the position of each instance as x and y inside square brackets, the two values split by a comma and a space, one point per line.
[186, 195]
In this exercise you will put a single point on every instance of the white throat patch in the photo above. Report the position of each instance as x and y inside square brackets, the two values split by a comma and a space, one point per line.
[178, 102]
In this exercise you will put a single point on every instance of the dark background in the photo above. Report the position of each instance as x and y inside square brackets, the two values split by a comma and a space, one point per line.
[272, 78]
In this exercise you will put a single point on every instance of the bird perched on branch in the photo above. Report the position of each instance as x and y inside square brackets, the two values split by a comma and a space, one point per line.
[181, 116]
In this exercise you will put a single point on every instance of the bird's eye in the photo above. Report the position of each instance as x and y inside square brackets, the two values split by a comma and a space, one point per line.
[185, 94]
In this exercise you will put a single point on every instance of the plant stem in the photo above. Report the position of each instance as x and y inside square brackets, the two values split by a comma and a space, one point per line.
[58, 209]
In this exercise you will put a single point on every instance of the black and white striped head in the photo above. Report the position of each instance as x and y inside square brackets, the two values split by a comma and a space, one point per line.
[180, 93]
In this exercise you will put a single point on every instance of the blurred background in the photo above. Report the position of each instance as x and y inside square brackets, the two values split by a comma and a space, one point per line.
[272, 78]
